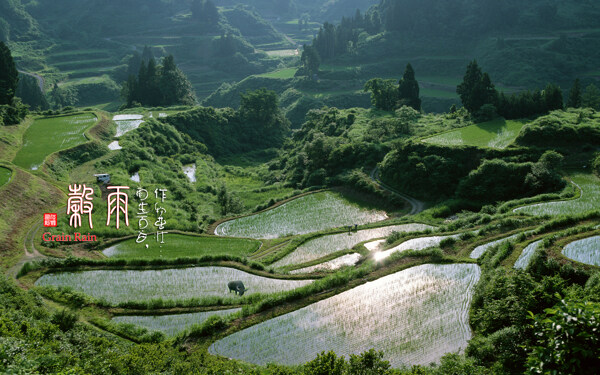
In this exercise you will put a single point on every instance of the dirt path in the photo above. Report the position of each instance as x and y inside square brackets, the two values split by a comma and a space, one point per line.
[416, 205]
[38, 77]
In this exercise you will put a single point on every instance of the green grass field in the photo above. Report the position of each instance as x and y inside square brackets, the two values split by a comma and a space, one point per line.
[306, 214]
[498, 133]
[585, 251]
[414, 316]
[283, 73]
[48, 135]
[116, 286]
[5, 175]
[323, 246]
[587, 202]
[180, 246]
[171, 325]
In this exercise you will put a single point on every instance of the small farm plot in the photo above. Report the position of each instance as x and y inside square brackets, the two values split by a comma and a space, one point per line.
[182, 246]
[306, 214]
[117, 286]
[171, 325]
[127, 123]
[480, 250]
[498, 133]
[325, 245]
[588, 201]
[414, 316]
[420, 243]
[334, 264]
[527, 254]
[585, 251]
[48, 135]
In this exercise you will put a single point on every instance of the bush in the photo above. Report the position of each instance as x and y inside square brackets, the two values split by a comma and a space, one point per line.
[64, 319]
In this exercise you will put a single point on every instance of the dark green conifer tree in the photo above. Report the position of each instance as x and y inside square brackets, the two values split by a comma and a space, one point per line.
[408, 89]
[9, 76]
[575, 95]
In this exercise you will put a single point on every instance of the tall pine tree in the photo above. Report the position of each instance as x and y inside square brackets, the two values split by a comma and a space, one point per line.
[575, 95]
[408, 89]
[9, 76]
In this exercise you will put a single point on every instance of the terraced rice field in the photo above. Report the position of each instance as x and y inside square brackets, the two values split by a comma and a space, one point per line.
[480, 250]
[5, 175]
[325, 245]
[588, 201]
[116, 286]
[498, 133]
[171, 325]
[420, 243]
[334, 264]
[190, 172]
[585, 251]
[127, 123]
[527, 254]
[414, 316]
[48, 135]
[306, 214]
[182, 246]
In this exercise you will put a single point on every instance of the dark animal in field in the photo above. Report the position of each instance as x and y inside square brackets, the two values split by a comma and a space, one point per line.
[237, 287]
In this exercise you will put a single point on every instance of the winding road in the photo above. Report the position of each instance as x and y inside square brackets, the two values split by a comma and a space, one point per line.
[38, 77]
[416, 205]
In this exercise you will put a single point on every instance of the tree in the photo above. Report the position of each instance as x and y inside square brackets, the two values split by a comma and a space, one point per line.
[575, 98]
[261, 105]
[553, 97]
[567, 339]
[325, 364]
[408, 89]
[175, 88]
[205, 11]
[476, 89]
[591, 97]
[9, 76]
[384, 93]
[311, 60]
[29, 91]
[466, 88]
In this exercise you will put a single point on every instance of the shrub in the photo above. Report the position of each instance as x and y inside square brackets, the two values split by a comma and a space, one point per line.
[64, 319]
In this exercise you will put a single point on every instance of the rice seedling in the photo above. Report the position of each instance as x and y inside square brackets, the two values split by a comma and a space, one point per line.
[117, 286]
[325, 245]
[306, 214]
[585, 251]
[527, 254]
[127, 123]
[171, 325]
[334, 264]
[48, 135]
[414, 316]
[181, 246]
[588, 201]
